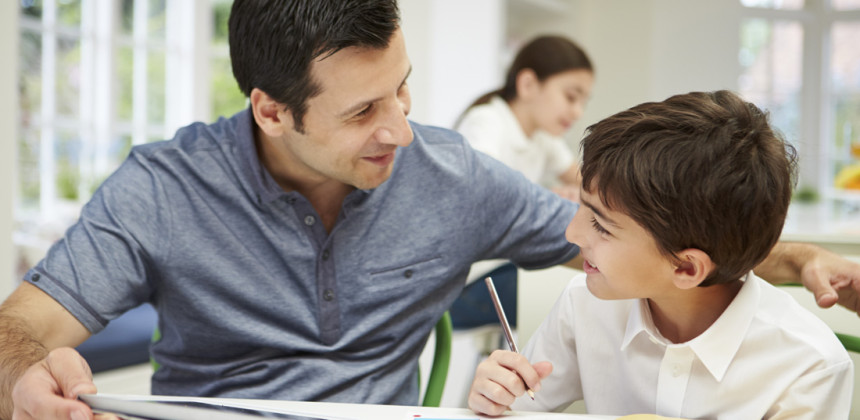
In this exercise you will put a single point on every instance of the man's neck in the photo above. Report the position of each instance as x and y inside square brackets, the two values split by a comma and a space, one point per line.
[688, 313]
[326, 195]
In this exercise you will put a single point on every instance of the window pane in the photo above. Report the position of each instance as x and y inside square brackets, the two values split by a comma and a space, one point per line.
[845, 4]
[221, 13]
[30, 76]
[124, 86]
[770, 58]
[67, 157]
[157, 20]
[155, 87]
[227, 99]
[32, 8]
[845, 91]
[126, 21]
[68, 76]
[28, 168]
[69, 13]
[774, 4]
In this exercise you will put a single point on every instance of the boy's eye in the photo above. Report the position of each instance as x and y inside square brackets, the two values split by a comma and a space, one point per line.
[600, 229]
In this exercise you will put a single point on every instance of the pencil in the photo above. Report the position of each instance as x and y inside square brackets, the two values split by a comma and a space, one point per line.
[505, 326]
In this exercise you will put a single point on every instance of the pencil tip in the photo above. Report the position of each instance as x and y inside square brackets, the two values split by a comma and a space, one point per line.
[531, 394]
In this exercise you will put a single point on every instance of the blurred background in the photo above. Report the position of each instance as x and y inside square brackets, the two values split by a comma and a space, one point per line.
[85, 80]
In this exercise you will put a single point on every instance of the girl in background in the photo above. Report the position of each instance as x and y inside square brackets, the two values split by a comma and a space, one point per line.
[522, 123]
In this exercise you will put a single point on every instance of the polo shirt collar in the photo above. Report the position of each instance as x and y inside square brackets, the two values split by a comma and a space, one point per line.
[259, 180]
[719, 344]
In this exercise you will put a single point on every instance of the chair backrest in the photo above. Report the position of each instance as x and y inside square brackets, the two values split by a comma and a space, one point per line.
[441, 360]
[851, 342]
[438, 370]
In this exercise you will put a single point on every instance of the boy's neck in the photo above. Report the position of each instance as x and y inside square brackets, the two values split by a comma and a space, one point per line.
[687, 314]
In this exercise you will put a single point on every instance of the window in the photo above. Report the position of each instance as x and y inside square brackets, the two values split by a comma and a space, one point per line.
[99, 76]
[801, 60]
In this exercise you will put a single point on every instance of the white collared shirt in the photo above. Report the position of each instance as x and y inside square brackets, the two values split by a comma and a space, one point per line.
[493, 129]
[765, 357]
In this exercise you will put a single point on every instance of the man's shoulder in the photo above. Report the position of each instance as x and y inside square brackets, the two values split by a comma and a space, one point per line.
[435, 135]
[201, 136]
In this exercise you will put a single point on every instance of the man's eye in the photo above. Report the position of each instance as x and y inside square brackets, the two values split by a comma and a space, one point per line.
[365, 111]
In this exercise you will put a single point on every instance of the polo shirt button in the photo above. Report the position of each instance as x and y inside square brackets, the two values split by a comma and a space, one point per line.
[407, 274]
[325, 255]
[310, 220]
[328, 295]
[676, 371]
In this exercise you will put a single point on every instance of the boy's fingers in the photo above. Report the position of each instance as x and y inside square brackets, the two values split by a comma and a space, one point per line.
[483, 405]
[526, 373]
[543, 369]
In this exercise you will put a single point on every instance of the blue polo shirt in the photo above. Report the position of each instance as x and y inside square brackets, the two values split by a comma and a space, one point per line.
[256, 299]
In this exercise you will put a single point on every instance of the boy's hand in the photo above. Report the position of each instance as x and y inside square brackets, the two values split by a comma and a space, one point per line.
[499, 380]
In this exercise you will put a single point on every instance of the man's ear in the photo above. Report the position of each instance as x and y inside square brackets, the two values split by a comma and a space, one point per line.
[694, 268]
[527, 83]
[271, 116]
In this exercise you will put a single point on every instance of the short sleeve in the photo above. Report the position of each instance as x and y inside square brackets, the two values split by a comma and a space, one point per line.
[102, 266]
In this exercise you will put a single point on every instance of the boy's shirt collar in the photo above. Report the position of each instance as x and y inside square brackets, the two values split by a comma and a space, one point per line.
[718, 345]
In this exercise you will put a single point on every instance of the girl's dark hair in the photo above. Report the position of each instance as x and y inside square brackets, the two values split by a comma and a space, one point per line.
[546, 56]
[273, 42]
[699, 170]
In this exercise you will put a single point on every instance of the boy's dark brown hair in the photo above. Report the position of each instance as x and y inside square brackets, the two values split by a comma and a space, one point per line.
[699, 170]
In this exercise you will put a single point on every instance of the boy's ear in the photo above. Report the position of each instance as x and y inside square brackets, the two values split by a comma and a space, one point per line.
[527, 83]
[271, 116]
[694, 268]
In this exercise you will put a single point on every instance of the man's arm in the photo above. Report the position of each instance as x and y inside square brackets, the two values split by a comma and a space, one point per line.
[31, 325]
[832, 278]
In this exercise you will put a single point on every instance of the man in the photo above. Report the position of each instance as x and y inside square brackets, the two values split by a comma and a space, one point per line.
[302, 249]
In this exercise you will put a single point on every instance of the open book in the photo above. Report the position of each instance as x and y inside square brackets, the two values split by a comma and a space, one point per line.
[179, 408]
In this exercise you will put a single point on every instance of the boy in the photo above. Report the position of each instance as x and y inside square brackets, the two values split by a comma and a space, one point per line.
[680, 200]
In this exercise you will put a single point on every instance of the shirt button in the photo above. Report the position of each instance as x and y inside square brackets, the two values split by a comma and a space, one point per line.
[328, 295]
[325, 255]
[676, 370]
[310, 220]
[407, 274]
[35, 277]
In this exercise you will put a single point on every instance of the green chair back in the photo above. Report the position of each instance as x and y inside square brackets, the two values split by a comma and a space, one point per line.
[441, 360]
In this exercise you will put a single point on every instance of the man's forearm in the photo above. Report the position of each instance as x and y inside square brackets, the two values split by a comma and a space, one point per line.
[783, 264]
[17, 353]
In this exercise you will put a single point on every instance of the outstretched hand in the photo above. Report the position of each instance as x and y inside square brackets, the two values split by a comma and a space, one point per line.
[833, 279]
[503, 377]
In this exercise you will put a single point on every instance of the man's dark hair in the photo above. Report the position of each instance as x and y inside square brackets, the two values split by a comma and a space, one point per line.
[274, 42]
[700, 170]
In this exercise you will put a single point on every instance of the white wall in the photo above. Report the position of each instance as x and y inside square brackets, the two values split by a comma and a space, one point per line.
[9, 136]
[455, 48]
